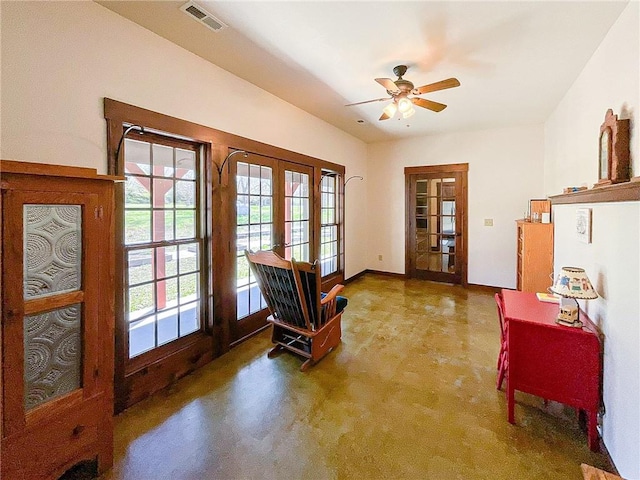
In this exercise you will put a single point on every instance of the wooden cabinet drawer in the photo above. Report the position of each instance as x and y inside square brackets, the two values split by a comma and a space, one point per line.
[47, 449]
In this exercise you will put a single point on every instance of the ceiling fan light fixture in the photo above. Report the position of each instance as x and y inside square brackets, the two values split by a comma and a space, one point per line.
[390, 110]
[404, 105]
[408, 113]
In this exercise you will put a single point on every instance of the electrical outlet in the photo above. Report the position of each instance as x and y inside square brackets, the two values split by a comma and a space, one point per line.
[379, 258]
[488, 222]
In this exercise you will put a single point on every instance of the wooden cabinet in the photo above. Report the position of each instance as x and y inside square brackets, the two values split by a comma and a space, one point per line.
[56, 400]
[535, 256]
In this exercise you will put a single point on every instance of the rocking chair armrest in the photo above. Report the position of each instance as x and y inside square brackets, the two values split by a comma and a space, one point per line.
[333, 293]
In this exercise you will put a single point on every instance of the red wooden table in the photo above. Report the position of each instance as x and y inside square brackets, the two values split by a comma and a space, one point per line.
[552, 361]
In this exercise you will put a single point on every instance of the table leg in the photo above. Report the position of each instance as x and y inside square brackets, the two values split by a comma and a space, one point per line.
[510, 401]
[592, 430]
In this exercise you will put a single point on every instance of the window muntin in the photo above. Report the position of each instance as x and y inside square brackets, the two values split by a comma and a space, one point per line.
[329, 231]
[163, 242]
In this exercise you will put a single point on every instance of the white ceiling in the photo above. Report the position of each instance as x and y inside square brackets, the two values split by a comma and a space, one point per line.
[515, 60]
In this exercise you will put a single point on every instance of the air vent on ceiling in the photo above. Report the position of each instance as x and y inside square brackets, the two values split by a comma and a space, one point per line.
[198, 13]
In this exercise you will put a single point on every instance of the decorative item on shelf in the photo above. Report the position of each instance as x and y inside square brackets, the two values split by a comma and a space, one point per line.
[574, 189]
[572, 283]
[583, 225]
[613, 159]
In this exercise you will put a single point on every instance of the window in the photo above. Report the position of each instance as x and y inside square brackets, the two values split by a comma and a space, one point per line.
[329, 231]
[163, 241]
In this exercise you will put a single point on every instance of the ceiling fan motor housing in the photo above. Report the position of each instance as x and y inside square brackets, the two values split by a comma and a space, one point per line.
[405, 86]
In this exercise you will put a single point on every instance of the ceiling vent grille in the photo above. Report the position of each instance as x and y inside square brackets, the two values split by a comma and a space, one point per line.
[198, 13]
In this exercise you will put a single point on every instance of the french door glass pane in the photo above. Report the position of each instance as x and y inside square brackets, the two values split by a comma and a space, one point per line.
[254, 230]
[296, 216]
[329, 225]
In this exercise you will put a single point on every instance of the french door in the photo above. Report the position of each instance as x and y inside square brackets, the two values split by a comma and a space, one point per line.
[274, 211]
[436, 216]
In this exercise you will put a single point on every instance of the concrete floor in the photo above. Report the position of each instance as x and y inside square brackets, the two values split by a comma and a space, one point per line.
[410, 393]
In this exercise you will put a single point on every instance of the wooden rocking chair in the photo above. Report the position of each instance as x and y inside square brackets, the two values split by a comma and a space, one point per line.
[305, 321]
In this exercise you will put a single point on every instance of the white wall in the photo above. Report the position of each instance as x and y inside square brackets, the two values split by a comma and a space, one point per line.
[609, 80]
[59, 59]
[612, 262]
[505, 171]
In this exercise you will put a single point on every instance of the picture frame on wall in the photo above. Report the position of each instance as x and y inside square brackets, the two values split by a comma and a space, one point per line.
[583, 225]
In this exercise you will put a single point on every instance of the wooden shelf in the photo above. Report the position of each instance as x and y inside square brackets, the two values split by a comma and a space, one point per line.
[621, 192]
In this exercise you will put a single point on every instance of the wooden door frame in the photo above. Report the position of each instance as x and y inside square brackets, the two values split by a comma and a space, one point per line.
[460, 168]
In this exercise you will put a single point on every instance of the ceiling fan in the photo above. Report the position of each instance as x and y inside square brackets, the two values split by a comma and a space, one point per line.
[400, 89]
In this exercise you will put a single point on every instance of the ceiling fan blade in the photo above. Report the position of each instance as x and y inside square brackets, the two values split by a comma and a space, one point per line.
[428, 104]
[441, 85]
[368, 101]
[388, 84]
[384, 116]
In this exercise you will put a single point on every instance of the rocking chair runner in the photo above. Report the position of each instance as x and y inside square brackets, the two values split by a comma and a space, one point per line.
[305, 321]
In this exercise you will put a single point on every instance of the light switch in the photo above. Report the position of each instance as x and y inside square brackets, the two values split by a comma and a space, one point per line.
[488, 222]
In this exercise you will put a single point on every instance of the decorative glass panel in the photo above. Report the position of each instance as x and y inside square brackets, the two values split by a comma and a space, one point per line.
[52, 249]
[52, 354]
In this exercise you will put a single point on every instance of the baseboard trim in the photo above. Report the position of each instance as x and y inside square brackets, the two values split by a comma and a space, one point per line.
[404, 276]
[355, 277]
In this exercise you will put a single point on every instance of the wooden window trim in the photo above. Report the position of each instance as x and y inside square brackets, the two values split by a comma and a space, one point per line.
[219, 213]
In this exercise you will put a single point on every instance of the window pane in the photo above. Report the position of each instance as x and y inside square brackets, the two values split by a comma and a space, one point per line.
[189, 287]
[140, 266]
[137, 226]
[162, 225]
[185, 223]
[136, 192]
[162, 193]
[242, 271]
[242, 209]
[137, 157]
[167, 293]
[185, 194]
[254, 205]
[141, 301]
[254, 179]
[162, 161]
[265, 210]
[242, 238]
[167, 262]
[265, 173]
[242, 178]
[185, 164]
[189, 322]
[167, 326]
[189, 258]
[142, 336]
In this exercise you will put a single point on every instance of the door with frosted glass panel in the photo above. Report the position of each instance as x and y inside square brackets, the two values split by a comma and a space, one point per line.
[273, 212]
[436, 223]
[50, 305]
